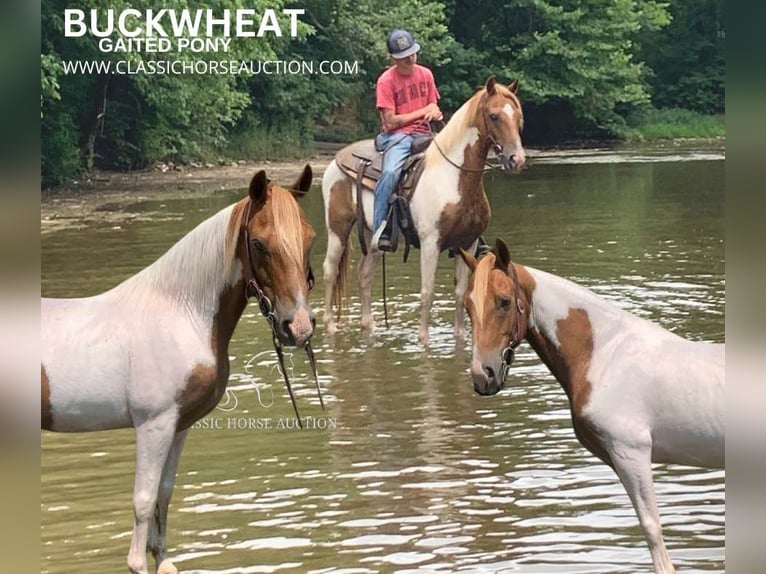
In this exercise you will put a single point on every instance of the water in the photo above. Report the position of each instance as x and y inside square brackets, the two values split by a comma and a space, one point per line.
[408, 470]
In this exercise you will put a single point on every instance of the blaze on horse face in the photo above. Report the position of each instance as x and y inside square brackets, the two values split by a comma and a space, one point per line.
[280, 240]
[493, 314]
[504, 121]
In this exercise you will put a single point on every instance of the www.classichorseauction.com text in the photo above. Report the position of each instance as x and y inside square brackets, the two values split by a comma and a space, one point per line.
[167, 31]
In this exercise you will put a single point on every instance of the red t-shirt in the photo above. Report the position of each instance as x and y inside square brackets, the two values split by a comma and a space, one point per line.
[405, 94]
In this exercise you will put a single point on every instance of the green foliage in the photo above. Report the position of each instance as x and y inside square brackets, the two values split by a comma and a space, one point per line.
[688, 57]
[679, 123]
[129, 121]
[50, 69]
[573, 51]
[584, 67]
[60, 153]
[269, 143]
[351, 31]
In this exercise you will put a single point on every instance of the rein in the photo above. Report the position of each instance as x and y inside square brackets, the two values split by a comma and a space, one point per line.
[488, 138]
[509, 352]
[253, 289]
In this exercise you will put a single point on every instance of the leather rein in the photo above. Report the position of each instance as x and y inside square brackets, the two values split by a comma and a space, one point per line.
[487, 139]
[253, 289]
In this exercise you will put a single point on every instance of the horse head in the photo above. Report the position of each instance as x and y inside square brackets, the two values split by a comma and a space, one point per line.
[503, 122]
[277, 239]
[497, 312]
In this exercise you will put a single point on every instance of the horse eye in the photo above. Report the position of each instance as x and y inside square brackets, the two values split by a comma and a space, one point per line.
[504, 303]
[258, 246]
[493, 117]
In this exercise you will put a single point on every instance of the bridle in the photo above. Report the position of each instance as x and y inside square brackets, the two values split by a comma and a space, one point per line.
[517, 332]
[253, 289]
[488, 139]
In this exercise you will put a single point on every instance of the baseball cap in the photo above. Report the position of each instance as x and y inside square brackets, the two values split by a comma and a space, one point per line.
[401, 44]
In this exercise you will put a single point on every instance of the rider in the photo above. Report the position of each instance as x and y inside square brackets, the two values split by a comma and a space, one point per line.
[406, 98]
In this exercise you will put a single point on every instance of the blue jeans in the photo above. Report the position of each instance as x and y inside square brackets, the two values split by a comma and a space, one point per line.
[397, 150]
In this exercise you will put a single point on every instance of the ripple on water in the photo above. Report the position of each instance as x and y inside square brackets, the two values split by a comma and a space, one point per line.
[421, 475]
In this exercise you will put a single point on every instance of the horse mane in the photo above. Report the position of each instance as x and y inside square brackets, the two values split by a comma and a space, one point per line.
[185, 273]
[464, 118]
[202, 263]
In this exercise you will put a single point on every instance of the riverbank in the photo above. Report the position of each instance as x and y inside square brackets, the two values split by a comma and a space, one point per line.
[104, 196]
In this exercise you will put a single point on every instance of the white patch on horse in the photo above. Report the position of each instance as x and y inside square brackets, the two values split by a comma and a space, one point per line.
[673, 366]
[332, 175]
[508, 109]
[106, 341]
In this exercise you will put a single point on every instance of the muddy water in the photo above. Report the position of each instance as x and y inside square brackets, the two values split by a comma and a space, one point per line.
[407, 469]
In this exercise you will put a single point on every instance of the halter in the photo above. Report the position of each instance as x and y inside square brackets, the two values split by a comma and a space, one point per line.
[253, 289]
[487, 139]
[509, 352]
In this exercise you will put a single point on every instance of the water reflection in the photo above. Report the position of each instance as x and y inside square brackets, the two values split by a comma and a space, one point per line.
[410, 470]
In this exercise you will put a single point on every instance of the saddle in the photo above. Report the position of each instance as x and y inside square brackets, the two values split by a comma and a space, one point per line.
[362, 162]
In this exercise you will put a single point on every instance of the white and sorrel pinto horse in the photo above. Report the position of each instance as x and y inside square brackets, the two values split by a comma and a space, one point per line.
[638, 393]
[152, 353]
[449, 206]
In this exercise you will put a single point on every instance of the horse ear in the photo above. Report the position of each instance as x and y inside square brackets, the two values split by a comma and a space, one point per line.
[469, 259]
[490, 85]
[258, 187]
[303, 183]
[502, 255]
[514, 86]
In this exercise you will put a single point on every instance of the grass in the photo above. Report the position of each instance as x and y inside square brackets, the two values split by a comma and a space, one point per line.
[677, 123]
[270, 144]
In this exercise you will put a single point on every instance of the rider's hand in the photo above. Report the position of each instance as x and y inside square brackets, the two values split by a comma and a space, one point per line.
[432, 112]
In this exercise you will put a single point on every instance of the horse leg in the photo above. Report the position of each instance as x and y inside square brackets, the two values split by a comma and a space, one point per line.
[634, 467]
[462, 278]
[158, 529]
[153, 439]
[366, 275]
[331, 268]
[429, 259]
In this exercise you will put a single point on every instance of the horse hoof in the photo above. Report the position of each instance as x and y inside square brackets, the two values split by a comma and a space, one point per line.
[368, 324]
[166, 567]
[330, 328]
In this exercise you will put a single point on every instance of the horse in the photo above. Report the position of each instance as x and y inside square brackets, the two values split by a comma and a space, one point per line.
[449, 206]
[152, 352]
[638, 394]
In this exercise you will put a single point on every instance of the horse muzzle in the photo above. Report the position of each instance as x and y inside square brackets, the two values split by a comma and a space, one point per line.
[486, 380]
[513, 162]
[296, 330]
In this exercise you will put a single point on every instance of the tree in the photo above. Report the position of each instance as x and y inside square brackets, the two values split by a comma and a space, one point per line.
[688, 57]
[574, 58]
[126, 121]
